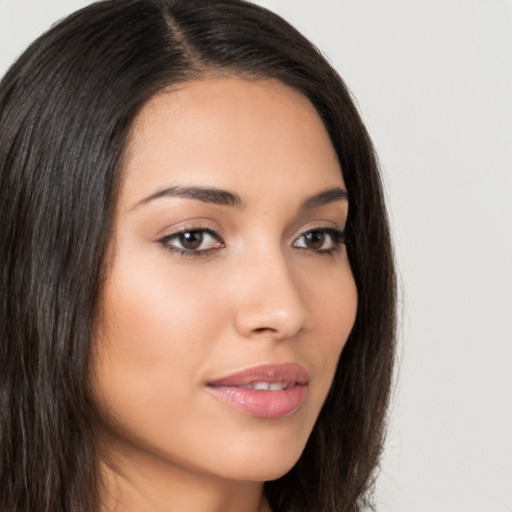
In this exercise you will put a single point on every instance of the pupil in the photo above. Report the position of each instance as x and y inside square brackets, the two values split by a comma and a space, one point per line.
[315, 239]
[191, 239]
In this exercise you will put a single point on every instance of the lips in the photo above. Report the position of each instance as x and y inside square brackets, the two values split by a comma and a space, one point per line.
[268, 391]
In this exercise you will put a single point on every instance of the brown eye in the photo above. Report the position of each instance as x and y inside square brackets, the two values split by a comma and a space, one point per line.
[191, 240]
[325, 240]
[314, 239]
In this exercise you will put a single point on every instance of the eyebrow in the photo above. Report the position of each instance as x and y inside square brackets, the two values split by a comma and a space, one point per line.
[327, 196]
[204, 194]
[226, 198]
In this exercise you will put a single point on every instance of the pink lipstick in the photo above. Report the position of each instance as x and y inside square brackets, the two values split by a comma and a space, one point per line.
[268, 391]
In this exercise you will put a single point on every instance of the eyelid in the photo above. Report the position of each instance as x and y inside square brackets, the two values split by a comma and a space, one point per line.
[321, 225]
[188, 224]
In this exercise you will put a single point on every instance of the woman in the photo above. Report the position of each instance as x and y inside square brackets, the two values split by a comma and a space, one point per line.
[192, 316]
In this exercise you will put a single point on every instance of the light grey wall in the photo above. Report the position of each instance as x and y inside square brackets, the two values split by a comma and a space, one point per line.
[433, 81]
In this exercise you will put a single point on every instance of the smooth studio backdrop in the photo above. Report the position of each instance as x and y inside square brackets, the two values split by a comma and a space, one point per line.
[433, 80]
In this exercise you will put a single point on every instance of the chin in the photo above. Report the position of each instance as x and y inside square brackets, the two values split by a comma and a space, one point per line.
[255, 473]
[261, 464]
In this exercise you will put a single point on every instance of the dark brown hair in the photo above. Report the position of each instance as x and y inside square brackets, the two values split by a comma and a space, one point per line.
[66, 108]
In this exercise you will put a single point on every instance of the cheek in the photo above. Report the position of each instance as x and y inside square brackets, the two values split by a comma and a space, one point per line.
[153, 341]
[334, 308]
[155, 310]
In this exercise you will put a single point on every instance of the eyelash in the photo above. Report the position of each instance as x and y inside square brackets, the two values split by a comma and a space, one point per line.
[337, 238]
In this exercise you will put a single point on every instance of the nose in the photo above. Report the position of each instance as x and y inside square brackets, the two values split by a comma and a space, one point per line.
[269, 300]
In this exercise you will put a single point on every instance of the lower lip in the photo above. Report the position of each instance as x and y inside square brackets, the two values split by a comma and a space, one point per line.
[262, 404]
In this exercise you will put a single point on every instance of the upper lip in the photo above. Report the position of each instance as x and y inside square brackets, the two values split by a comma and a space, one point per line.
[287, 372]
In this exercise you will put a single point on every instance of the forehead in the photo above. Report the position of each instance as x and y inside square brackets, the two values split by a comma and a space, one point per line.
[229, 132]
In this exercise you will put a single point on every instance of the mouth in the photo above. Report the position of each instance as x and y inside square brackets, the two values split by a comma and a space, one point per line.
[268, 391]
[269, 386]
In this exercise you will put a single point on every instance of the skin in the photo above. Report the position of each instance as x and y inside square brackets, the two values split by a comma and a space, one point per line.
[256, 292]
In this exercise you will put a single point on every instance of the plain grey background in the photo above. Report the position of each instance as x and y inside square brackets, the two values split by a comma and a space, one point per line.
[433, 80]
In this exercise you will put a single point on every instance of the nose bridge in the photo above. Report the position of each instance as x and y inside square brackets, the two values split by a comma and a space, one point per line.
[269, 296]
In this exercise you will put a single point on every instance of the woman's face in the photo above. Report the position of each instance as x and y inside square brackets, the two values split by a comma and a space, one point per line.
[229, 295]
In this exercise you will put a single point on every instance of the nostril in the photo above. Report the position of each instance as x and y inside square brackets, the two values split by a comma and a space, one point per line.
[263, 329]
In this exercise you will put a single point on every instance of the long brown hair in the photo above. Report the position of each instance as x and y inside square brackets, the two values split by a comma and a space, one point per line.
[66, 107]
